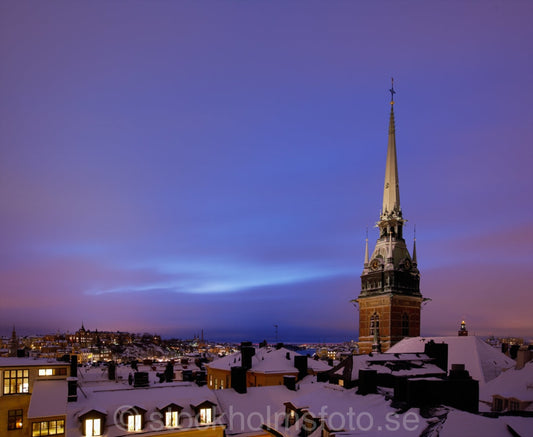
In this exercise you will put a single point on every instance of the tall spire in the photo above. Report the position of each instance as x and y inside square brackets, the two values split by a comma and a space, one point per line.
[414, 250]
[391, 191]
[366, 248]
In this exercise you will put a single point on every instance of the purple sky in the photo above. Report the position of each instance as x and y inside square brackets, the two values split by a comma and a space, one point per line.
[172, 166]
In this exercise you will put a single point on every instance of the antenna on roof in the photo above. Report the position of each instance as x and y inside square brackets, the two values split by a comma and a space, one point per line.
[276, 331]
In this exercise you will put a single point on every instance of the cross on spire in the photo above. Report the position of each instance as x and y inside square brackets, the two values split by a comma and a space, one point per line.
[392, 92]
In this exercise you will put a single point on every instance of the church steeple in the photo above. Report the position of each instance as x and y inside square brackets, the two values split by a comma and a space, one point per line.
[391, 189]
[390, 281]
[366, 249]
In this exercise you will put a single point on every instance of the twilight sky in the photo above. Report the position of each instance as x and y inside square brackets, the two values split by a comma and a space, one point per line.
[172, 166]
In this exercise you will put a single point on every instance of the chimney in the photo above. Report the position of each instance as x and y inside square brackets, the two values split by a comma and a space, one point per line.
[300, 362]
[72, 389]
[368, 382]
[247, 352]
[111, 370]
[439, 352]
[289, 381]
[505, 348]
[140, 379]
[462, 392]
[74, 366]
[238, 379]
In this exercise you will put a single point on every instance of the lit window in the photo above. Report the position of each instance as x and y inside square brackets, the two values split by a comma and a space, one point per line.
[134, 422]
[206, 415]
[16, 381]
[171, 419]
[93, 427]
[14, 419]
[49, 427]
[292, 417]
[52, 372]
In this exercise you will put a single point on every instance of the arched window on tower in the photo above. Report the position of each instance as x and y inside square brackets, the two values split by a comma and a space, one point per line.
[374, 324]
[405, 325]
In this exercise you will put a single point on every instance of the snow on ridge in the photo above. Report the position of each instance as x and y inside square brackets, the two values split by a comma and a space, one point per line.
[482, 361]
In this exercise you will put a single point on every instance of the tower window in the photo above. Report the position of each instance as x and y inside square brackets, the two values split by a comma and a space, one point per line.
[374, 324]
[405, 325]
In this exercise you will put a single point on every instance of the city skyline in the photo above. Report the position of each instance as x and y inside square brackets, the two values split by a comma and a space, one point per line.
[171, 167]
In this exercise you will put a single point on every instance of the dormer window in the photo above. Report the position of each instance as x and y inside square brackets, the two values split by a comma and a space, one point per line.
[291, 414]
[93, 423]
[205, 412]
[206, 415]
[93, 427]
[292, 417]
[135, 422]
[171, 419]
[170, 415]
[133, 419]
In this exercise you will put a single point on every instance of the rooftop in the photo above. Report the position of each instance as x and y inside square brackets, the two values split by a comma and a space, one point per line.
[483, 362]
[269, 360]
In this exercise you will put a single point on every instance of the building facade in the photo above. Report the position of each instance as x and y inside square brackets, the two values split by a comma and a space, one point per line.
[19, 377]
[390, 299]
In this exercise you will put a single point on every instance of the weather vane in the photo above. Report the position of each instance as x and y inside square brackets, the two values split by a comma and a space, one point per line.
[392, 92]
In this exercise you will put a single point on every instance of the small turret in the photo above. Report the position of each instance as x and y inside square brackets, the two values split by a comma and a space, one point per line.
[462, 331]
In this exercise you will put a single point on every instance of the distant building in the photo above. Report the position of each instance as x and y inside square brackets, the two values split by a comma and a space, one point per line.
[463, 332]
[257, 367]
[390, 299]
[13, 344]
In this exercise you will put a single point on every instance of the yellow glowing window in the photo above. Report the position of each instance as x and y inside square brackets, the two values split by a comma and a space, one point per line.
[206, 415]
[16, 381]
[93, 427]
[50, 427]
[134, 422]
[171, 419]
[14, 419]
[46, 372]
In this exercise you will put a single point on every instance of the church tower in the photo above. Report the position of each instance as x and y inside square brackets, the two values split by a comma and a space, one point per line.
[390, 299]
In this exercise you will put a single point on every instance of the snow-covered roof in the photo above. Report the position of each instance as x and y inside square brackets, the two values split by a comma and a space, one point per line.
[416, 364]
[268, 360]
[520, 425]
[344, 410]
[512, 383]
[459, 423]
[49, 398]
[29, 362]
[255, 406]
[482, 361]
[116, 397]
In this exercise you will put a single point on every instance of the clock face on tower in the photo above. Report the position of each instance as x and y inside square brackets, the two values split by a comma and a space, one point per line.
[375, 264]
